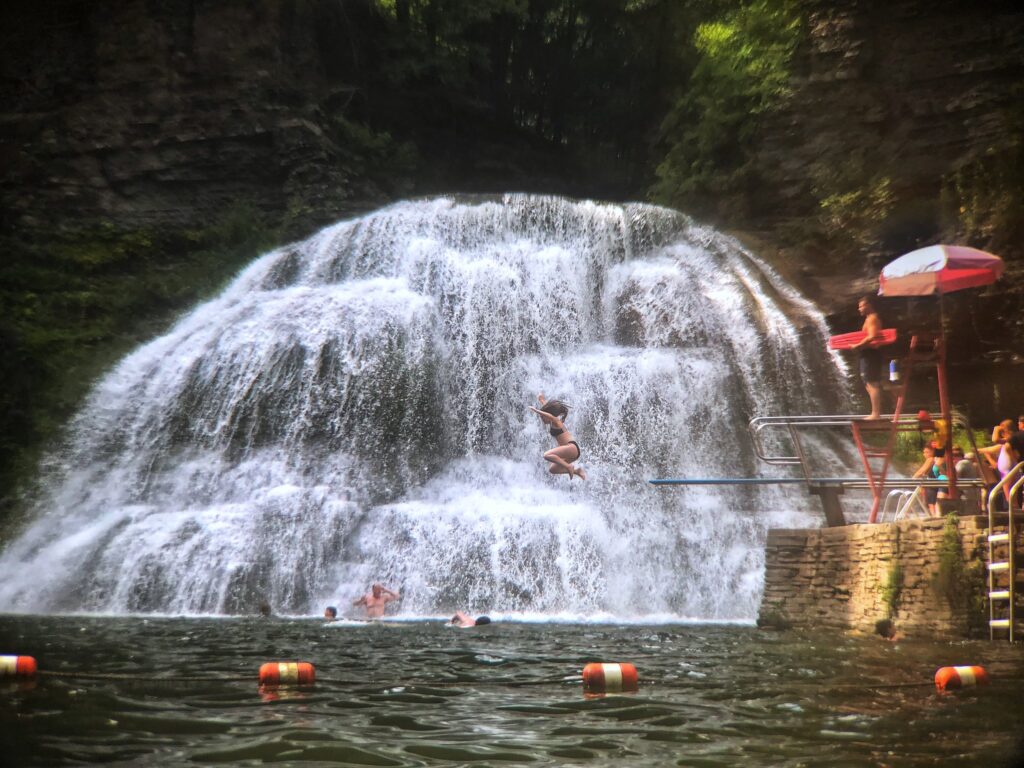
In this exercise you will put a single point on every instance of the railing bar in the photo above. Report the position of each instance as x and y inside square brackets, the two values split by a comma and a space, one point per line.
[848, 482]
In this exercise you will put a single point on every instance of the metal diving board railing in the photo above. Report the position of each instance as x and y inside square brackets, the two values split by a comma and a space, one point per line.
[794, 424]
[875, 459]
[842, 482]
[828, 489]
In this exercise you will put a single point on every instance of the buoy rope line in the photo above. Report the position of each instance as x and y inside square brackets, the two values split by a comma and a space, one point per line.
[319, 679]
[142, 678]
[574, 680]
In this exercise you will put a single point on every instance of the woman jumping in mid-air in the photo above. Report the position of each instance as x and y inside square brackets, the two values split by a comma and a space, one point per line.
[552, 412]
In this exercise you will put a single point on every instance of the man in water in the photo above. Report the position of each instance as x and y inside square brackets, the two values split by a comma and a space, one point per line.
[463, 620]
[887, 631]
[331, 613]
[870, 357]
[375, 600]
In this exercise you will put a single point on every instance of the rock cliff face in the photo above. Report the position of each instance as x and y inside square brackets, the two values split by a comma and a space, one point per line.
[165, 112]
[141, 112]
[145, 112]
[154, 113]
[913, 89]
[910, 91]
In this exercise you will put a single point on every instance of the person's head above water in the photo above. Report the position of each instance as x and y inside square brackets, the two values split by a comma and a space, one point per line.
[885, 628]
[556, 408]
[483, 620]
[330, 612]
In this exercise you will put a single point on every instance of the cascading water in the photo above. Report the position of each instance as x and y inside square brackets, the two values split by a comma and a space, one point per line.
[354, 408]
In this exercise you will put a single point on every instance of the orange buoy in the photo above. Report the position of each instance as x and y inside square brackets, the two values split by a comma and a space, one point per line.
[609, 678]
[19, 666]
[947, 678]
[287, 672]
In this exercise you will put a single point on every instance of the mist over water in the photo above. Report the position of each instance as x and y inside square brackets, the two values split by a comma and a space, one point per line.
[353, 408]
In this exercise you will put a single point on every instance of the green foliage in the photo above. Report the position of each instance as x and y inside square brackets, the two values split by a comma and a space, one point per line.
[963, 585]
[983, 198]
[892, 589]
[977, 599]
[848, 208]
[907, 450]
[951, 579]
[590, 79]
[74, 304]
[743, 70]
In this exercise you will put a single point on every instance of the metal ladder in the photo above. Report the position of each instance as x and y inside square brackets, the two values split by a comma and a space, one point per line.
[1002, 599]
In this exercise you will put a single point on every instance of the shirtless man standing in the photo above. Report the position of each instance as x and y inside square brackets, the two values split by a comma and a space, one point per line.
[375, 600]
[870, 357]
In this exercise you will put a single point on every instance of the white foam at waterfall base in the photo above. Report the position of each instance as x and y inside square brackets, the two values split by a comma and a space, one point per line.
[353, 409]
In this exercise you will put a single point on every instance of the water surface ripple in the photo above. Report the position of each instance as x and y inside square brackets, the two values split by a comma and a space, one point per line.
[185, 692]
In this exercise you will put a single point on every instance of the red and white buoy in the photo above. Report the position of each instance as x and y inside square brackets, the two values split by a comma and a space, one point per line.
[287, 673]
[609, 678]
[949, 678]
[17, 666]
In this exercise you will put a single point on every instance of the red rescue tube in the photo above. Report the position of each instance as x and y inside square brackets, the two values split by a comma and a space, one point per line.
[17, 666]
[949, 678]
[846, 340]
[609, 678]
[287, 672]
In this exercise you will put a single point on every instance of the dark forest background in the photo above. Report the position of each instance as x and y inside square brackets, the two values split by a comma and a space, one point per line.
[149, 148]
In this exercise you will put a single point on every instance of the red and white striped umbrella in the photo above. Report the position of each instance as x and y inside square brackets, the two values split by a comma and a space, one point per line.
[939, 269]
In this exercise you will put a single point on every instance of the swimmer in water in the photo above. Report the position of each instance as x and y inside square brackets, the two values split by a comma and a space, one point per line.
[465, 621]
[375, 600]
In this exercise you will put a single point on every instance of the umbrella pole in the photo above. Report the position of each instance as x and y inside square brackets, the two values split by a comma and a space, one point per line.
[947, 414]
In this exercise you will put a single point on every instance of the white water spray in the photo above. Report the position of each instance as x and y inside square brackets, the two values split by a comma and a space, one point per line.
[353, 409]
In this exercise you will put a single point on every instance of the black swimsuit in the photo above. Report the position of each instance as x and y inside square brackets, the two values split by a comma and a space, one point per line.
[556, 432]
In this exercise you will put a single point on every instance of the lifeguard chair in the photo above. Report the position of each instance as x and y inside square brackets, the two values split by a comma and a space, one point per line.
[932, 271]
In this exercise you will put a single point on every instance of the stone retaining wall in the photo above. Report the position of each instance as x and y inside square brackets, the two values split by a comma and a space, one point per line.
[837, 577]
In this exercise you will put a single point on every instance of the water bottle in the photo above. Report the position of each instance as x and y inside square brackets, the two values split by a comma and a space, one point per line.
[894, 371]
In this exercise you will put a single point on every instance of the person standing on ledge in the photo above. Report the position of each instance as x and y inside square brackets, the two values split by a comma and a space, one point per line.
[870, 357]
[375, 600]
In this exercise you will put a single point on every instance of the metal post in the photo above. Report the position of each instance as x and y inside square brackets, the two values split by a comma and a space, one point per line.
[829, 495]
[940, 375]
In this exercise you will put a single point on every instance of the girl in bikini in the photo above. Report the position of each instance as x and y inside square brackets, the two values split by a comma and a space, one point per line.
[568, 450]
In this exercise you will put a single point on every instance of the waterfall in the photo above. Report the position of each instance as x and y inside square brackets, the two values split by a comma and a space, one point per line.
[353, 408]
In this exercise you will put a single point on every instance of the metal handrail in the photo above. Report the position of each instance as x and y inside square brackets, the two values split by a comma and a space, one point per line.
[993, 494]
[1011, 546]
[845, 482]
[908, 482]
[756, 425]
[906, 497]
